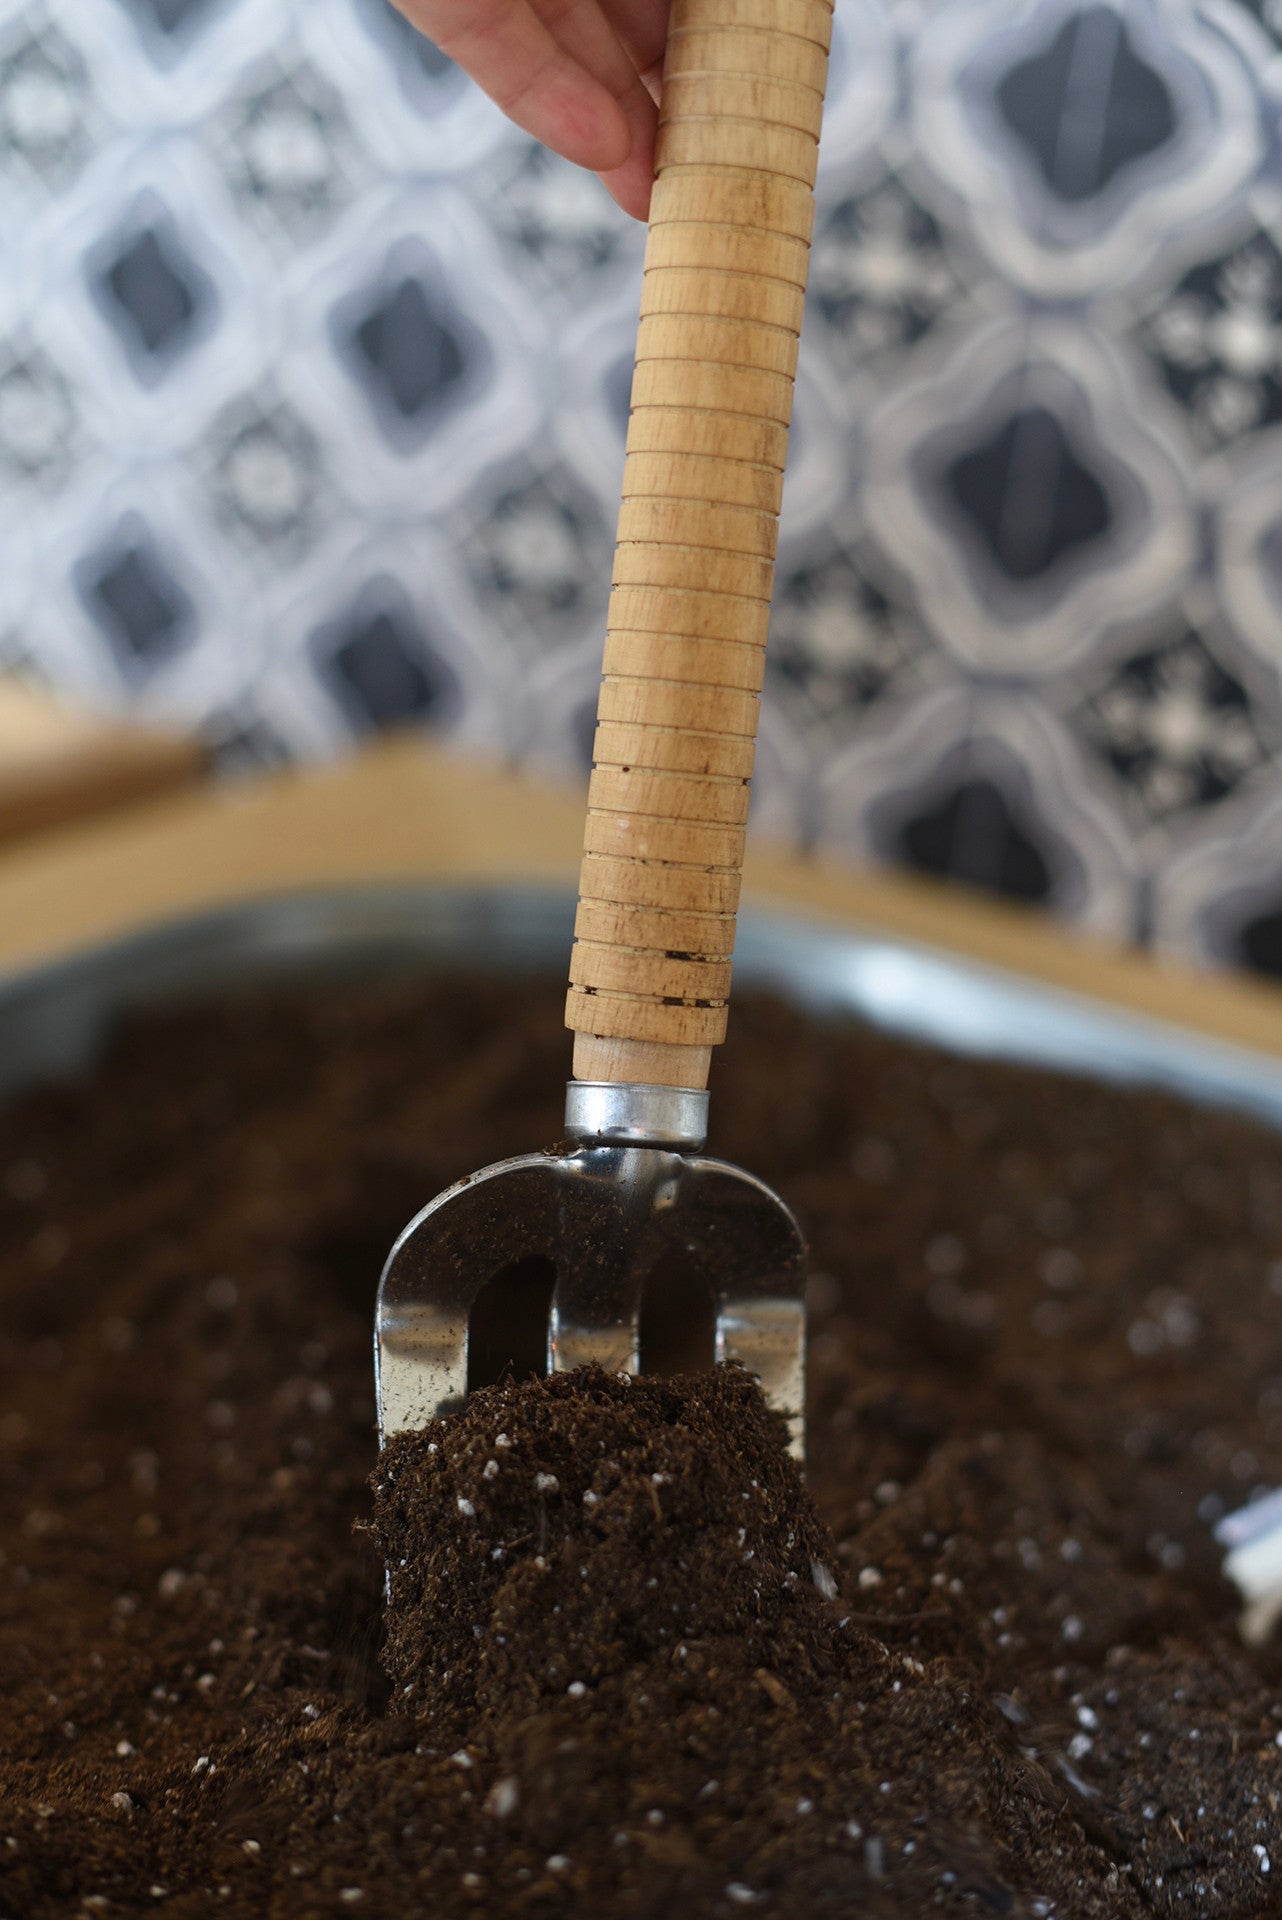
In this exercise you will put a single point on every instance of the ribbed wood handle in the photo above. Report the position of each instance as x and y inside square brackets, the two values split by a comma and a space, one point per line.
[725, 279]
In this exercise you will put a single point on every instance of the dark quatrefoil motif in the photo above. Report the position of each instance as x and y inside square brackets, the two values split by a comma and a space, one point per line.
[1028, 496]
[135, 600]
[1088, 106]
[378, 663]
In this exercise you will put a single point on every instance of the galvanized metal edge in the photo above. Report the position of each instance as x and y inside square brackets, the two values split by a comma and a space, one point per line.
[53, 1018]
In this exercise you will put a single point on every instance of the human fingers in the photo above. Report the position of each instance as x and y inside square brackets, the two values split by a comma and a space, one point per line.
[527, 70]
[631, 184]
[641, 27]
[584, 28]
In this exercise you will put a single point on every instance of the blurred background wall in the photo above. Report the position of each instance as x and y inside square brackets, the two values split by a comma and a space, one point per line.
[313, 386]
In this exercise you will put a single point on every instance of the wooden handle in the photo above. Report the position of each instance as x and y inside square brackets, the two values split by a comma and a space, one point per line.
[725, 279]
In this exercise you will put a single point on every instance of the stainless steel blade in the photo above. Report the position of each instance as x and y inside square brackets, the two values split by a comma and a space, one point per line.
[607, 1217]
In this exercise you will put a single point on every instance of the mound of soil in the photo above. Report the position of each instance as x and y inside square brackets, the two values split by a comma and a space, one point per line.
[983, 1662]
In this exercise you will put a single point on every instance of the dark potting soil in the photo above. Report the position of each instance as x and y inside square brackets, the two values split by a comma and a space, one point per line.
[985, 1663]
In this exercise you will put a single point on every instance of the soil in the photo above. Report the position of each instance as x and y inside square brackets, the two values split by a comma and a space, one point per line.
[984, 1662]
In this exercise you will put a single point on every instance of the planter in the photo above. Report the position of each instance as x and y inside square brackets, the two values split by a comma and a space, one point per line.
[994, 1667]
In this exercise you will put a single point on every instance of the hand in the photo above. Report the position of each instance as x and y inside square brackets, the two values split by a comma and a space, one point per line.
[581, 75]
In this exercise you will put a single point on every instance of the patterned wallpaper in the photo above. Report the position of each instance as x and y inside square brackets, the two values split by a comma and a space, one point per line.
[313, 383]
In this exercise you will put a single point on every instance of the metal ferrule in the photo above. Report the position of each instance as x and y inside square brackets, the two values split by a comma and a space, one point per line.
[631, 1114]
